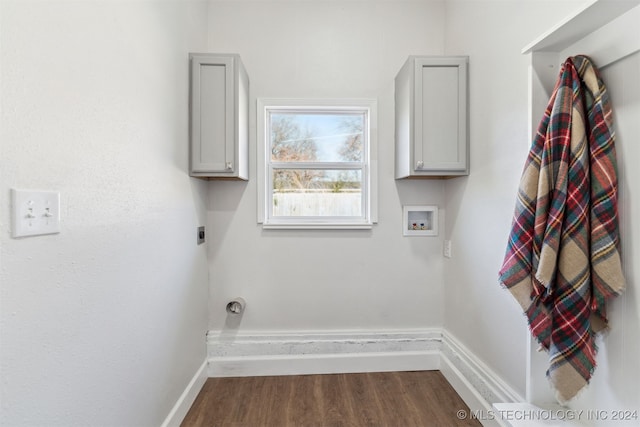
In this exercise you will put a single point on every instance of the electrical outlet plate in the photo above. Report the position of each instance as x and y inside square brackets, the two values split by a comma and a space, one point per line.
[34, 212]
[201, 235]
[447, 249]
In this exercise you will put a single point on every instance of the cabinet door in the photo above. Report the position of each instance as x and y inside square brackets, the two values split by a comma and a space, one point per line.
[440, 142]
[212, 114]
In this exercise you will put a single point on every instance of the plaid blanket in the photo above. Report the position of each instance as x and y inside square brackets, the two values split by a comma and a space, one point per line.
[562, 261]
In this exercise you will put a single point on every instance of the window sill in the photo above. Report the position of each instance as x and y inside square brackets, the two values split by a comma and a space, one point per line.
[318, 226]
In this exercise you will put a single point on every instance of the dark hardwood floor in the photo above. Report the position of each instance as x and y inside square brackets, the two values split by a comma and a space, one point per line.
[394, 399]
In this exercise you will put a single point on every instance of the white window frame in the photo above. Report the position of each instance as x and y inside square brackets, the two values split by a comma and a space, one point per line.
[370, 170]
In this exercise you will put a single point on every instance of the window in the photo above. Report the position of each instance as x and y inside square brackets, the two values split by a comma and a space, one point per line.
[316, 163]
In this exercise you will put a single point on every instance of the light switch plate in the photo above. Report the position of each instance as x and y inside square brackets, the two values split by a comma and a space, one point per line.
[34, 212]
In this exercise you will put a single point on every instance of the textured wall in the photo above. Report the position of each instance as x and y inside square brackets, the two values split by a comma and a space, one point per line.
[102, 324]
[326, 280]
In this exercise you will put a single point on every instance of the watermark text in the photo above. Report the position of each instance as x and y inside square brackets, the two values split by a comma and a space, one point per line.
[549, 415]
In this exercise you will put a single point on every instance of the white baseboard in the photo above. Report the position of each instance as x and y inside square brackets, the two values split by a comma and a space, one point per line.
[323, 353]
[306, 364]
[478, 407]
[186, 399]
[476, 383]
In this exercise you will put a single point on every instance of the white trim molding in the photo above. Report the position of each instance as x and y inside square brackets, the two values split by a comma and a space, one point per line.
[488, 384]
[478, 385]
[256, 354]
[186, 399]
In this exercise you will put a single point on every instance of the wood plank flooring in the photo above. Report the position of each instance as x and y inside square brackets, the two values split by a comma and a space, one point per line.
[394, 399]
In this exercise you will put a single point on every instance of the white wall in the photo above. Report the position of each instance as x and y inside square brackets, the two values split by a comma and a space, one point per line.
[104, 323]
[326, 280]
[479, 209]
[614, 386]
[480, 313]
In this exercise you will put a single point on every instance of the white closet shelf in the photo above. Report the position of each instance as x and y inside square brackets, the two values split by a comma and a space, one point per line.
[595, 14]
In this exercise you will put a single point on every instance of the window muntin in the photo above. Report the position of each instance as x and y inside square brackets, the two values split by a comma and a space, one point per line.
[317, 165]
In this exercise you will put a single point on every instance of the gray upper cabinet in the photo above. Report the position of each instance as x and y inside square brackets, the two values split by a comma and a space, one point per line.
[219, 115]
[431, 117]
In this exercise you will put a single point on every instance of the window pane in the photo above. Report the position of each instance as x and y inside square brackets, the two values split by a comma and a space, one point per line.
[317, 193]
[317, 136]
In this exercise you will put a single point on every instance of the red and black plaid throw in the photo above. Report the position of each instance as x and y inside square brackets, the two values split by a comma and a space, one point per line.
[562, 261]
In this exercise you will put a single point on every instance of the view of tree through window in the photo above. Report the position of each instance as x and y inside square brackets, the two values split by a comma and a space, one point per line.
[317, 163]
